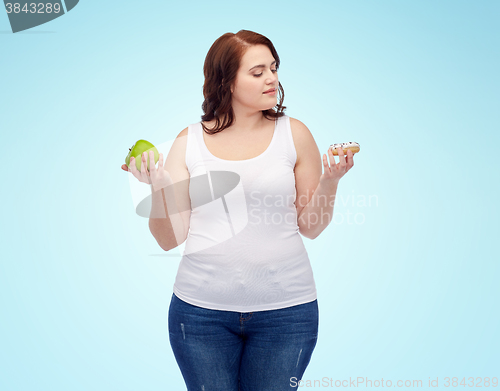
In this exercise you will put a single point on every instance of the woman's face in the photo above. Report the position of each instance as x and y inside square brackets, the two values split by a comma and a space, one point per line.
[256, 75]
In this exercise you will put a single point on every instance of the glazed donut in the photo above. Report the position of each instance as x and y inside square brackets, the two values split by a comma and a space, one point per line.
[354, 147]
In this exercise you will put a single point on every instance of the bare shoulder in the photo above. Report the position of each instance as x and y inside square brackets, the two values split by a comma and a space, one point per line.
[303, 140]
[183, 132]
[177, 153]
[182, 136]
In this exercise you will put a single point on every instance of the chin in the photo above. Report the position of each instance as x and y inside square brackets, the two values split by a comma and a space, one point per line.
[270, 106]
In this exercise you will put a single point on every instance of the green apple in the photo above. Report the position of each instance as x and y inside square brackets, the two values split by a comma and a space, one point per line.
[136, 151]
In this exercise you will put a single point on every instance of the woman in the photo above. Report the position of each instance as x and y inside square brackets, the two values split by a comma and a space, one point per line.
[244, 312]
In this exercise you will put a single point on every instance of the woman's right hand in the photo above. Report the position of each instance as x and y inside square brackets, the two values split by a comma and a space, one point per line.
[158, 178]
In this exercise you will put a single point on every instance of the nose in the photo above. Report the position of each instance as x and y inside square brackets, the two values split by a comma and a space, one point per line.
[272, 78]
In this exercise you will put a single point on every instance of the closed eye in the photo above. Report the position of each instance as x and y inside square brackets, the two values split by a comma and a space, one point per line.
[260, 74]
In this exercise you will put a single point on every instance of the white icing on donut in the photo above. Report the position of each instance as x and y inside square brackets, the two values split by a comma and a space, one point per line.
[344, 145]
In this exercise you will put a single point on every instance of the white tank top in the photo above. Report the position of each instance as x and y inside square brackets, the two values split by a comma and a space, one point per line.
[244, 251]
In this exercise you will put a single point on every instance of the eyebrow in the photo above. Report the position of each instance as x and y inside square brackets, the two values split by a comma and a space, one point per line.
[261, 66]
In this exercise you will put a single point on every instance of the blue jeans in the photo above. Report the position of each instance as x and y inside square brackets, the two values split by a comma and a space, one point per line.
[236, 351]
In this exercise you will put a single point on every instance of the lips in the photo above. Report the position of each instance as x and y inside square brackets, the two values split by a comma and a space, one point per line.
[271, 90]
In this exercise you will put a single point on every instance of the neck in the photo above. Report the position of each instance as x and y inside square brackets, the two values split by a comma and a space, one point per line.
[246, 121]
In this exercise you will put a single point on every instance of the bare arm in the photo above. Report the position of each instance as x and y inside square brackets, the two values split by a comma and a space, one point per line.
[165, 223]
[316, 192]
[171, 205]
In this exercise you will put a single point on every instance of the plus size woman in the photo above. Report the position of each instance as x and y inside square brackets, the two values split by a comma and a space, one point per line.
[244, 312]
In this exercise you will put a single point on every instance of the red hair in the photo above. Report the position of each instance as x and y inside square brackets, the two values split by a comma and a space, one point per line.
[221, 66]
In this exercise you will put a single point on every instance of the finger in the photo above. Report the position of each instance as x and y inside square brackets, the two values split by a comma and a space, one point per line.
[325, 163]
[132, 167]
[160, 161]
[152, 166]
[347, 160]
[350, 158]
[341, 158]
[144, 166]
[143, 162]
[332, 158]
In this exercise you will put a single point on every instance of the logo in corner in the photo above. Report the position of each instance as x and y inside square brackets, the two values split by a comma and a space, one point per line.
[24, 15]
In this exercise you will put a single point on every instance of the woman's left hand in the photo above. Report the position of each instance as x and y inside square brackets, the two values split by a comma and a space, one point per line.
[335, 171]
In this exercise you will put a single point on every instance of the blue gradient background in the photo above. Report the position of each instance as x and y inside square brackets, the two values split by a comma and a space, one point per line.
[408, 292]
